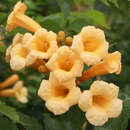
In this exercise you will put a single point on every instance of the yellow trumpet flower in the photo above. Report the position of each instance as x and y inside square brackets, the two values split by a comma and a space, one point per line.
[18, 57]
[18, 91]
[17, 18]
[42, 45]
[65, 64]
[90, 43]
[21, 92]
[17, 52]
[100, 102]
[59, 97]
[111, 64]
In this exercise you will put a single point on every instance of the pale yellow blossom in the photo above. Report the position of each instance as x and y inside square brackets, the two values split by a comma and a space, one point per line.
[65, 64]
[18, 57]
[42, 46]
[17, 18]
[90, 43]
[59, 97]
[21, 92]
[18, 91]
[100, 102]
[111, 64]
[17, 52]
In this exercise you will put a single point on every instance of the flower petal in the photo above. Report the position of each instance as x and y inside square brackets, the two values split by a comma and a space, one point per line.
[17, 63]
[114, 62]
[68, 84]
[63, 76]
[115, 109]
[7, 55]
[85, 100]
[57, 107]
[105, 89]
[77, 44]
[96, 116]
[21, 92]
[90, 58]
[73, 96]
[44, 90]
[26, 41]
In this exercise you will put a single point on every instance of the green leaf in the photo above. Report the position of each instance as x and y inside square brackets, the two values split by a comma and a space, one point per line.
[77, 118]
[2, 17]
[78, 20]
[9, 112]
[105, 2]
[122, 121]
[6, 124]
[2, 49]
[103, 128]
[107, 126]
[72, 120]
[77, 2]
[30, 123]
[115, 2]
[89, 2]
[65, 8]
[54, 22]
[52, 123]
[98, 18]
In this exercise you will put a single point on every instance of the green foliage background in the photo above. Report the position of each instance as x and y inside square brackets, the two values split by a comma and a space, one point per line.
[68, 15]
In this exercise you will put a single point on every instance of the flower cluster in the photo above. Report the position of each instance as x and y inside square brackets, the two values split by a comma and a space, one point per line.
[65, 63]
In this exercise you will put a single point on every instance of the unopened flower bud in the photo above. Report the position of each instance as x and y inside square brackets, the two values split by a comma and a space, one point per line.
[68, 41]
[61, 36]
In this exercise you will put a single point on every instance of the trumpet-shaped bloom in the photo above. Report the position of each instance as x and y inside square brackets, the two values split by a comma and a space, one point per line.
[111, 64]
[18, 91]
[18, 19]
[90, 43]
[100, 102]
[42, 46]
[21, 92]
[59, 97]
[17, 52]
[18, 57]
[17, 39]
[65, 64]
